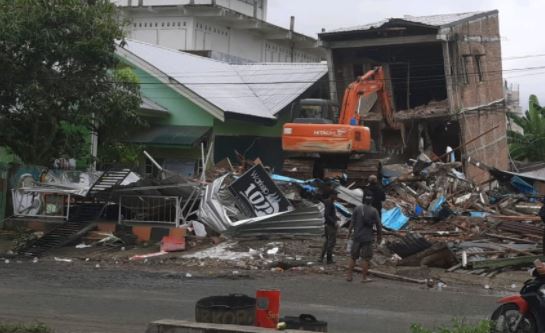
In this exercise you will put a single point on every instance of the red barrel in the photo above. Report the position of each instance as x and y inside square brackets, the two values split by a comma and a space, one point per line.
[267, 311]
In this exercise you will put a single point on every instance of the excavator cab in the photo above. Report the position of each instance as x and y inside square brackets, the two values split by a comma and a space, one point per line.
[316, 111]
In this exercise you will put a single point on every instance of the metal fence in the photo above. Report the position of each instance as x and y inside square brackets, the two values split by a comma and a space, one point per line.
[41, 203]
[149, 209]
[3, 191]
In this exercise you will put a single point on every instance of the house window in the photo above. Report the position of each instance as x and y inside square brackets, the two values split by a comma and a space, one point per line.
[479, 67]
[464, 67]
[150, 169]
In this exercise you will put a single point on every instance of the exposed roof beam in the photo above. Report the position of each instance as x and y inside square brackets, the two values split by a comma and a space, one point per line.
[379, 41]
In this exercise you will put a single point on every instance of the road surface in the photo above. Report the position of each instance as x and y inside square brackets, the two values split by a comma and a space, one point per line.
[83, 298]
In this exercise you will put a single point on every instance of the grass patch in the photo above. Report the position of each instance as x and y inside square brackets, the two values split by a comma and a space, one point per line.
[25, 328]
[458, 326]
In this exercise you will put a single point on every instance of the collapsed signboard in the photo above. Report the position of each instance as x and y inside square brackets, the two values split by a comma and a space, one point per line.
[257, 194]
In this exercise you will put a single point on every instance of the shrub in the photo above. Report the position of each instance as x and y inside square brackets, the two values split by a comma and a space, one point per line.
[25, 328]
[458, 326]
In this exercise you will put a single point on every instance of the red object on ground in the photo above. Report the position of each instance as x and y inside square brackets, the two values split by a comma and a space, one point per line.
[172, 244]
[267, 308]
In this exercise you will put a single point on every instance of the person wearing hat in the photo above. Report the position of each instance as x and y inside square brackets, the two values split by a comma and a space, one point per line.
[542, 216]
[374, 192]
[330, 227]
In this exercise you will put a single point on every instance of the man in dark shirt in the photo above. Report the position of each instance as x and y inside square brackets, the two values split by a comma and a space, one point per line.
[542, 215]
[376, 193]
[364, 218]
[330, 226]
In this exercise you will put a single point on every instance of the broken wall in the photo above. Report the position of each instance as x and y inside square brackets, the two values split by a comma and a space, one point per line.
[474, 50]
[415, 72]
[476, 84]
[492, 148]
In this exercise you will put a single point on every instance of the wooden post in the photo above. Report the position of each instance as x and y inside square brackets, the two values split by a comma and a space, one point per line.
[408, 85]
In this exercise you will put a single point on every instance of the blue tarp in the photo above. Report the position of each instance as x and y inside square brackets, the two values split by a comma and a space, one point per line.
[280, 178]
[522, 185]
[478, 214]
[343, 210]
[418, 210]
[436, 205]
[394, 219]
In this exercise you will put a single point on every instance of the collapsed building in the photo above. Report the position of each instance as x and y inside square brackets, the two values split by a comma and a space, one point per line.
[444, 78]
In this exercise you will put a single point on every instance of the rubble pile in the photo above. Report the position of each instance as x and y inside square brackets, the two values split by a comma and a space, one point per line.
[438, 218]
[433, 217]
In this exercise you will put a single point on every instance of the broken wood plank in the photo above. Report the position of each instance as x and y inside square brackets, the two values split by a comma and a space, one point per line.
[391, 276]
[455, 267]
[504, 262]
[531, 218]
[513, 239]
[509, 248]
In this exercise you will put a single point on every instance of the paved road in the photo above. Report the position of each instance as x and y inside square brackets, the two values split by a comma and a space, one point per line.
[82, 298]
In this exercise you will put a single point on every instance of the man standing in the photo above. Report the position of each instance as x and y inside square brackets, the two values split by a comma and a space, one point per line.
[542, 215]
[330, 224]
[375, 193]
[364, 218]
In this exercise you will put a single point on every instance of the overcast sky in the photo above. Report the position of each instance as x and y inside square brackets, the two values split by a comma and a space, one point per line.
[521, 27]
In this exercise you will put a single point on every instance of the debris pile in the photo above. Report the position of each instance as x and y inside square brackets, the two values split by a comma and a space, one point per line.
[436, 217]
[252, 204]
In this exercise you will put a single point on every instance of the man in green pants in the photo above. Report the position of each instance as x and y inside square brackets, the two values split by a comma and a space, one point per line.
[330, 226]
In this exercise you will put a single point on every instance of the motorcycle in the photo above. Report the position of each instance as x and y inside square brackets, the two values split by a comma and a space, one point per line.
[523, 313]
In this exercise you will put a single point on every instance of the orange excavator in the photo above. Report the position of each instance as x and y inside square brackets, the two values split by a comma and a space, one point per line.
[323, 143]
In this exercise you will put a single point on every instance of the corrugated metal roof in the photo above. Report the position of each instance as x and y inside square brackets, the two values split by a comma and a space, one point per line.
[296, 78]
[148, 104]
[259, 90]
[430, 20]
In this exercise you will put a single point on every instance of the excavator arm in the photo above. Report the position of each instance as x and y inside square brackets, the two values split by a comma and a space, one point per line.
[361, 95]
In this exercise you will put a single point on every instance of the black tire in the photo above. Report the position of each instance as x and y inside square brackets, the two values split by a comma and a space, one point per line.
[509, 312]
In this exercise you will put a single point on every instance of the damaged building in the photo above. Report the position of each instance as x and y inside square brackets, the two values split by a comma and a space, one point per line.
[444, 78]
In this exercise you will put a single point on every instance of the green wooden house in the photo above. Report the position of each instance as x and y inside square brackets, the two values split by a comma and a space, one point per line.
[191, 101]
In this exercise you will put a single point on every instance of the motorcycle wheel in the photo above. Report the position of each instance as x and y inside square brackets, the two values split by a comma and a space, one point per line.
[505, 318]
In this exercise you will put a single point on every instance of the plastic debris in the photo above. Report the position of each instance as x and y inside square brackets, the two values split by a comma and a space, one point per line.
[272, 251]
[62, 259]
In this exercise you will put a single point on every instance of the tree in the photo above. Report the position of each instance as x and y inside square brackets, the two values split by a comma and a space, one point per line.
[61, 79]
[529, 145]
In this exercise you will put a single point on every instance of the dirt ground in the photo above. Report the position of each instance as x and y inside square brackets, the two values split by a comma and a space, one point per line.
[252, 258]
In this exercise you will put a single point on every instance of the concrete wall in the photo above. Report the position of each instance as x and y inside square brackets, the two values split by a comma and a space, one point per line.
[176, 30]
[478, 87]
[181, 326]
[245, 7]
[492, 148]
[473, 40]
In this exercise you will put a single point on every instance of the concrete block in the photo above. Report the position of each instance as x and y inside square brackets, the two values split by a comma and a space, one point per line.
[182, 326]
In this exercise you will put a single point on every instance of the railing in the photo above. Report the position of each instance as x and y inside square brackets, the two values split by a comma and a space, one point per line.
[149, 209]
[41, 203]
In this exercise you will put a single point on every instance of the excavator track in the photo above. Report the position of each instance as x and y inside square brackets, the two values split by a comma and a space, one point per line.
[300, 168]
[357, 170]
